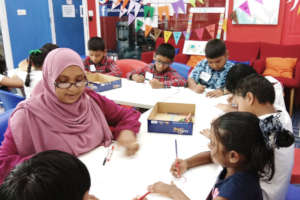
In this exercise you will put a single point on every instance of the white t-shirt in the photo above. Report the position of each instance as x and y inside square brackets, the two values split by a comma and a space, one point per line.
[284, 160]
[279, 103]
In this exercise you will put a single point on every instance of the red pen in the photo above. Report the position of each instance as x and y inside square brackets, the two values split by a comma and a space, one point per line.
[108, 156]
[143, 197]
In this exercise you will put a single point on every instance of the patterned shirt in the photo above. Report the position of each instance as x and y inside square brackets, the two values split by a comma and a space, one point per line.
[209, 77]
[106, 66]
[169, 77]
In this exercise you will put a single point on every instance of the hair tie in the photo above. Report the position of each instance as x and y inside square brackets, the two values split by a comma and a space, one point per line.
[275, 136]
[35, 51]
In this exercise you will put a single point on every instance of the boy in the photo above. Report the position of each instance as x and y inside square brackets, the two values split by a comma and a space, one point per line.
[48, 175]
[256, 94]
[160, 74]
[240, 71]
[211, 73]
[98, 61]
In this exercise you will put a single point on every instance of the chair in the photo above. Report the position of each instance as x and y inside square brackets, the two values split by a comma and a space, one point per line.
[128, 65]
[276, 50]
[295, 179]
[293, 192]
[4, 122]
[182, 69]
[9, 100]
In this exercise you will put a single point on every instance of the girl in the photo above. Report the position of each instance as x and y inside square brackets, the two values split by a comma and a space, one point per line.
[246, 154]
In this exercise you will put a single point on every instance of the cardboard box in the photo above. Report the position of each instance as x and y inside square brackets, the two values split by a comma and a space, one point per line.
[170, 118]
[101, 82]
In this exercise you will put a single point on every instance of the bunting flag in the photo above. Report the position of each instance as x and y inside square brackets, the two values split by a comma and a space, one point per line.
[221, 21]
[148, 10]
[137, 9]
[260, 1]
[139, 25]
[176, 36]
[295, 4]
[122, 12]
[224, 27]
[163, 10]
[178, 4]
[298, 12]
[147, 30]
[125, 2]
[193, 2]
[199, 33]
[157, 33]
[130, 18]
[131, 6]
[211, 30]
[115, 4]
[245, 7]
[185, 33]
[167, 35]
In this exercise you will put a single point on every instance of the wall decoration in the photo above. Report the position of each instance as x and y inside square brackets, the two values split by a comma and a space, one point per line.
[194, 47]
[256, 12]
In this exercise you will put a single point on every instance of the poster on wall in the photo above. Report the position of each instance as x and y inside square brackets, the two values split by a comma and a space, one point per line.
[255, 12]
[194, 47]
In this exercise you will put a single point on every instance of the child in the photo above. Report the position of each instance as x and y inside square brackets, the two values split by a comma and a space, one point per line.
[161, 72]
[238, 144]
[98, 61]
[240, 71]
[48, 175]
[7, 82]
[211, 73]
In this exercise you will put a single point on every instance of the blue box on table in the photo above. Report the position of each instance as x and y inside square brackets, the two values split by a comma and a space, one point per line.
[101, 82]
[172, 118]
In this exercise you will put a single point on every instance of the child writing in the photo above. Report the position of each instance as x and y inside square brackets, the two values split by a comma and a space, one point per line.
[48, 175]
[97, 61]
[241, 146]
[211, 73]
[255, 94]
[161, 72]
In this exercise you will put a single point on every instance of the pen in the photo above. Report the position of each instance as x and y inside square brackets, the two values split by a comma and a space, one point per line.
[142, 197]
[177, 163]
[108, 155]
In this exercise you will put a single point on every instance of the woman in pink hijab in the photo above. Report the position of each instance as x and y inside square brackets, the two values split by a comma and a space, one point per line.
[65, 116]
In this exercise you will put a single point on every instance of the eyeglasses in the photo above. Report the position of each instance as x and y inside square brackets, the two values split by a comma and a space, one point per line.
[162, 63]
[67, 85]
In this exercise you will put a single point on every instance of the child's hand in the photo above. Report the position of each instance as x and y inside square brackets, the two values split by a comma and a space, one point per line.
[205, 132]
[138, 78]
[92, 197]
[199, 89]
[127, 139]
[230, 99]
[215, 93]
[226, 107]
[181, 164]
[162, 189]
[156, 83]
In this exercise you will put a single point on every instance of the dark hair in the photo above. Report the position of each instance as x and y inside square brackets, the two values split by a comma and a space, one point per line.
[3, 68]
[215, 48]
[259, 86]
[240, 132]
[37, 58]
[166, 50]
[50, 175]
[237, 73]
[96, 44]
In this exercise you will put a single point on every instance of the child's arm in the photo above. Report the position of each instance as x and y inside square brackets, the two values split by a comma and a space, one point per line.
[13, 82]
[114, 69]
[175, 80]
[198, 88]
[137, 75]
[168, 190]
[216, 93]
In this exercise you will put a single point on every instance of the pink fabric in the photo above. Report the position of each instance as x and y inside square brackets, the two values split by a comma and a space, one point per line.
[50, 123]
[118, 117]
[38, 89]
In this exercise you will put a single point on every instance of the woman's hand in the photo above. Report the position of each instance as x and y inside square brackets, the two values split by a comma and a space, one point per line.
[127, 139]
[179, 167]
[168, 190]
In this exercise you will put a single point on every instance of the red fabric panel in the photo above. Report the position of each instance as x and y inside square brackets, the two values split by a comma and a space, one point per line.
[127, 65]
[295, 179]
[181, 58]
[277, 50]
[147, 56]
[243, 51]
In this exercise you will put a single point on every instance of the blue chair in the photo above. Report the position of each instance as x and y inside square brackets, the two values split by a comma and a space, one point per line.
[293, 192]
[9, 100]
[182, 69]
[4, 122]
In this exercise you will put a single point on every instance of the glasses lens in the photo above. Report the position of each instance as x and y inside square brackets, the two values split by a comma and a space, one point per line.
[81, 83]
[63, 85]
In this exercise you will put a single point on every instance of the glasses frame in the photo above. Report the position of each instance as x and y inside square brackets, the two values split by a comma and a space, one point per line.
[56, 84]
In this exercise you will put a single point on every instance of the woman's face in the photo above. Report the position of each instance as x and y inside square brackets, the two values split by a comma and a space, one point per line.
[72, 74]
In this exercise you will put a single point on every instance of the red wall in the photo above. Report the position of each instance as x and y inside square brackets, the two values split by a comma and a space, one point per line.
[254, 33]
[92, 20]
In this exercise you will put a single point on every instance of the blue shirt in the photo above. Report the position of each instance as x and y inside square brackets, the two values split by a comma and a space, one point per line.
[217, 78]
[240, 185]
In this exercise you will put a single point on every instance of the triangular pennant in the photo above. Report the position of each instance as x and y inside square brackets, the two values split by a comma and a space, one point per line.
[245, 8]
[176, 36]
[298, 12]
[137, 9]
[260, 1]
[131, 6]
[199, 33]
[185, 34]
[178, 4]
[139, 25]
[130, 18]
[167, 35]
[148, 11]
[295, 4]
[147, 30]
[122, 12]
[193, 2]
[163, 10]
[115, 4]
[201, 1]
[224, 27]
[125, 2]
[157, 33]
[211, 30]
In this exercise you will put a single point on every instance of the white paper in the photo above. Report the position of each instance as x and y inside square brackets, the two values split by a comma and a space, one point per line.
[92, 68]
[148, 76]
[68, 11]
[194, 47]
[81, 10]
[21, 12]
[69, 2]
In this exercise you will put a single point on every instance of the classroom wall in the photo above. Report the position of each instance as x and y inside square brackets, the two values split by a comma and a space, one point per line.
[92, 20]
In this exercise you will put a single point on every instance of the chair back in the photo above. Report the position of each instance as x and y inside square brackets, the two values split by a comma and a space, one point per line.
[4, 122]
[128, 65]
[293, 192]
[182, 69]
[9, 100]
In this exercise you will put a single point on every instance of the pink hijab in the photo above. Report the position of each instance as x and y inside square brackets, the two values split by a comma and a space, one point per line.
[43, 122]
